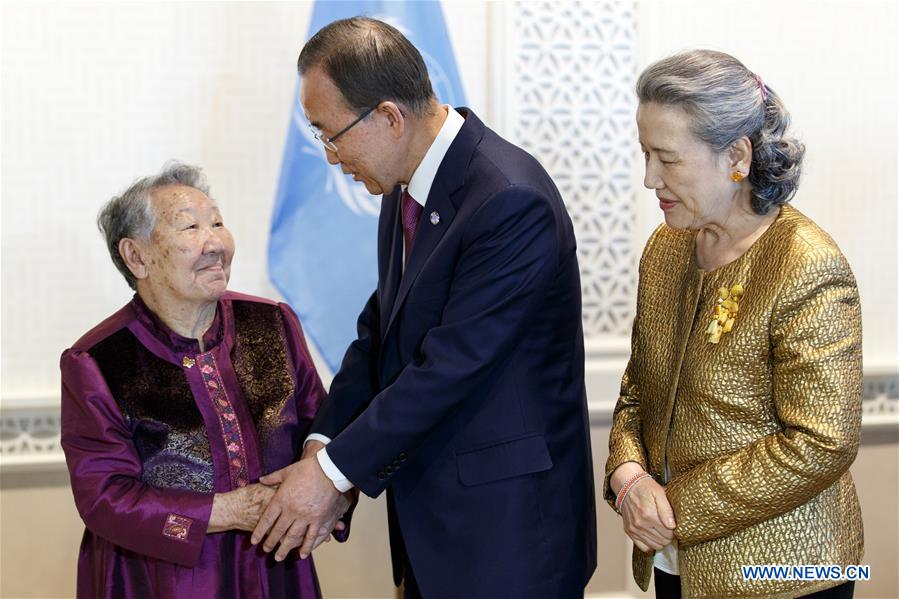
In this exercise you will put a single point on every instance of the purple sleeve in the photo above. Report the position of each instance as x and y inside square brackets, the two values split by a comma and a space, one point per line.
[105, 472]
[310, 392]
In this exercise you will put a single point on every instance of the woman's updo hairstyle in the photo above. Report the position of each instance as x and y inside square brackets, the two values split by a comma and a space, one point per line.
[726, 102]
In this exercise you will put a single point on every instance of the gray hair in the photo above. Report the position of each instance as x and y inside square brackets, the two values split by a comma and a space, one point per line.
[131, 215]
[726, 101]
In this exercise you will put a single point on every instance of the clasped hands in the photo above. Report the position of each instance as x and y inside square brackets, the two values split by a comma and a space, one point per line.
[647, 514]
[305, 509]
[297, 506]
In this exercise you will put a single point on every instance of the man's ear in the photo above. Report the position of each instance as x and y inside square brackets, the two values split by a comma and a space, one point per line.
[132, 253]
[395, 117]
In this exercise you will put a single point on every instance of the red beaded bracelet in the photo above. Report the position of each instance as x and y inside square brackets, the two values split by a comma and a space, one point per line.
[627, 488]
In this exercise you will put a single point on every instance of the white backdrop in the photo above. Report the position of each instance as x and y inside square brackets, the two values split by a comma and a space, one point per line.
[96, 94]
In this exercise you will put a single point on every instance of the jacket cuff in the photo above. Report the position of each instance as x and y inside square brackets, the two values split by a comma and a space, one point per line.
[616, 459]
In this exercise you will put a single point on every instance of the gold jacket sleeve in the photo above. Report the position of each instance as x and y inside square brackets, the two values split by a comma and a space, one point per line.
[626, 437]
[627, 445]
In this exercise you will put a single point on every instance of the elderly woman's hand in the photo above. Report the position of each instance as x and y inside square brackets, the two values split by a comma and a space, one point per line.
[240, 509]
[647, 514]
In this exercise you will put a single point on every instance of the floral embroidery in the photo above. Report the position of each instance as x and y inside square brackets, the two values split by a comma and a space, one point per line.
[725, 312]
[231, 434]
[177, 527]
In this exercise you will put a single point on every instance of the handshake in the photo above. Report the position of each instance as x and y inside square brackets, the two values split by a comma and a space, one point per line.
[297, 506]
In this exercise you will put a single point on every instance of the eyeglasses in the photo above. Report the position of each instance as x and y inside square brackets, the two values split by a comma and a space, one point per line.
[329, 142]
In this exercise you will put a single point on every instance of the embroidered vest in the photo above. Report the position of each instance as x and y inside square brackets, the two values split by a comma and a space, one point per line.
[167, 427]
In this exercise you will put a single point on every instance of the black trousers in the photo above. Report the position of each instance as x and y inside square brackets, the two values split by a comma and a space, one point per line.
[410, 586]
[668, 587]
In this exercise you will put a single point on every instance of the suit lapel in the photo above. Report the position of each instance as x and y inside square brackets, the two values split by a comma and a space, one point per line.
[426, 239]
[390, 257]
[449, 179]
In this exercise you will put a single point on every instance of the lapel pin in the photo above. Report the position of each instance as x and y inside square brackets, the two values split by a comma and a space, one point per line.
[435, 218]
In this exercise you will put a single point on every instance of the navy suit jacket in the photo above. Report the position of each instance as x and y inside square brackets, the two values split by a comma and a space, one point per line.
[464, 395]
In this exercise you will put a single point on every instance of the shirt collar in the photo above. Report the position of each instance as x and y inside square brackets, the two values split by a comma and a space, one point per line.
[420, 184]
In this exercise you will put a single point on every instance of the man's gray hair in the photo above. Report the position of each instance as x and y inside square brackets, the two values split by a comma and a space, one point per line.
[727, 101]
[370, 61]
[131, 214]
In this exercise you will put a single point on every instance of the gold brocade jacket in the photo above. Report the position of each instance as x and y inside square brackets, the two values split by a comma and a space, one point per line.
[758, 430]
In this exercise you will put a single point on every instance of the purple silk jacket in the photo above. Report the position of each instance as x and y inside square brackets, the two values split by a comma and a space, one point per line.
[152, 428]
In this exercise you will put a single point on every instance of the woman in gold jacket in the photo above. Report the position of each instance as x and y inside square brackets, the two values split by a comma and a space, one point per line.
[740, 409]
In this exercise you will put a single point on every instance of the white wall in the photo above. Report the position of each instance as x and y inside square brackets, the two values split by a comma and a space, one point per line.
[97, 94]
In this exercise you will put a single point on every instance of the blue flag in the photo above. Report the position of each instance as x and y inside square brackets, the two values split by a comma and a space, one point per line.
[322, 253]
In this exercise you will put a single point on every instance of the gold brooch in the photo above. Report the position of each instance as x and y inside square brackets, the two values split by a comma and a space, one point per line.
[187, 362]
[725, 312]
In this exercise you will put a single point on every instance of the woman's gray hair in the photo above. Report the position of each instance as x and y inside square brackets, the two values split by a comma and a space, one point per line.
[726, 101]
[131, 214]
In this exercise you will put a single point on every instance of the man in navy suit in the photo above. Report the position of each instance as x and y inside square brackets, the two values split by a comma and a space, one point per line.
[463, 396]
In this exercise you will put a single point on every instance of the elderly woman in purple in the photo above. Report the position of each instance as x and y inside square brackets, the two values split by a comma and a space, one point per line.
[173, 406]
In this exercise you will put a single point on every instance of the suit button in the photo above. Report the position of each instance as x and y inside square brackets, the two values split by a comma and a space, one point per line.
[396, 463]
[402, 456]
[381, 476]
[389, 469]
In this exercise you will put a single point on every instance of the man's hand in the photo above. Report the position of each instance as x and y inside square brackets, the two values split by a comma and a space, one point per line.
[344, 502]
[311, 448]
[304, 510]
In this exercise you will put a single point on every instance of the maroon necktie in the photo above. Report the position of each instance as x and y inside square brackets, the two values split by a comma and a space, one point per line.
[411, 215]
